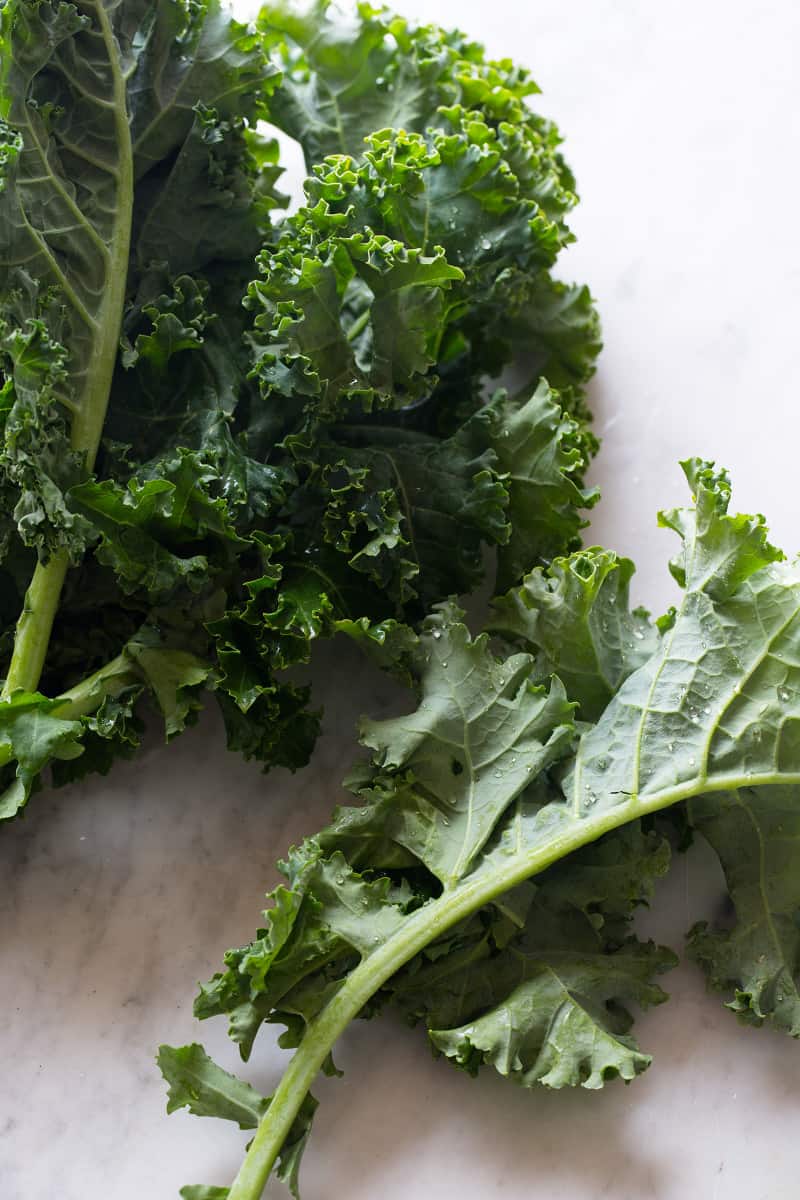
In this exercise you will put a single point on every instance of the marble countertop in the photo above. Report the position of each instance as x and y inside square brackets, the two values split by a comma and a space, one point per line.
[117, 897]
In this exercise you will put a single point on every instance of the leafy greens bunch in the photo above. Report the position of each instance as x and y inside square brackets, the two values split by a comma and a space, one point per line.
[506, 828]
[225, 433]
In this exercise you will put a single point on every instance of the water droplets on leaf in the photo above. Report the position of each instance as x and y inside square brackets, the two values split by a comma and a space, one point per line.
[784, 695]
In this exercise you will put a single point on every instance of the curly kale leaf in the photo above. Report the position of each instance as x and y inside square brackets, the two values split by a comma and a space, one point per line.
[324, 460]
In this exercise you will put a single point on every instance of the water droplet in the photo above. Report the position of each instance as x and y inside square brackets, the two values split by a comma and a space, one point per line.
[340, 878]
[445, 820]
[671, 747]
[364, 902]
[604, 626]
[485, 244]
[437, 633]
[691, 762]
[757, 734]
[637, 633]
[762, 958]
[784, 694]
[707, 709]
[590, 799]
[376, 939]
[444, 663]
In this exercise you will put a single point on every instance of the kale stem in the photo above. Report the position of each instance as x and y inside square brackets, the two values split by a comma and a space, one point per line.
[359, 325]
[87, 696]
[421, 928]
[34, 625]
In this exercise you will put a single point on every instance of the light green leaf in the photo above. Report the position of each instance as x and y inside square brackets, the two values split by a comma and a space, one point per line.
[714, 706]
[562, 1025]
[197, 1083]
[481, 733]
[173, 676]
[30, 736]
[755, 832]
[575, 615]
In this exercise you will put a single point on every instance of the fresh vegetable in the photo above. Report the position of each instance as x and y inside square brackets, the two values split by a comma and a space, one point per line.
[486, 880]
[225, 434]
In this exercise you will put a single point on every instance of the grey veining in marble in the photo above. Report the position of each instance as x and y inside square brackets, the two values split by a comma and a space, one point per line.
[118, 896]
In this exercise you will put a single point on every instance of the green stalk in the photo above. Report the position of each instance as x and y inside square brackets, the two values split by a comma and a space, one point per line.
[419, 930]
[87, 696]
[42, 597]
[34, 625]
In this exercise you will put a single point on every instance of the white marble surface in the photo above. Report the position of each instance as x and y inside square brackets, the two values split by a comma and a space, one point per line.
[681, 124]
